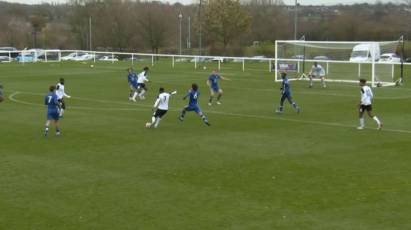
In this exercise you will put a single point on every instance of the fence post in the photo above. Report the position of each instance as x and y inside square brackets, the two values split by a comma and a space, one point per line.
[45, 55]
[173, 62]
[195, 62]
[94, 57]
[152, 60]
[112, 58]
[327, 67]
[243, 64]
[219, 64]
[359, 70]
[392, 71]
[269, 66]
[132, 59]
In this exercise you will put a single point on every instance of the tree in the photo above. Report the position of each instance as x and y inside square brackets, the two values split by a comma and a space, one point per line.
[37, 23]
[225, 20]
[155, 28]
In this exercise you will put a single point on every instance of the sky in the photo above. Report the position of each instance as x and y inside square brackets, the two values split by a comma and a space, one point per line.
[288, 2]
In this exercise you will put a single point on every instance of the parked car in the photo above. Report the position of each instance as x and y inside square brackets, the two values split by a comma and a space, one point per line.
[298, 56]
[4, 59]
[6, 51]
[220, 59]
[322, 57]
[108, 58]
[25, 58]
[84, 57]
[365, 52]
[390, 58]
[200, 59]
[71, 56]
[181, 60]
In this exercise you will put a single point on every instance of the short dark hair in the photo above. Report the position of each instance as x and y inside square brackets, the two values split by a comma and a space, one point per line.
[194, 86]
[362, 80]
[161, 89]
[61, 79]
[52, 88]
[283, 74]
[145, 68]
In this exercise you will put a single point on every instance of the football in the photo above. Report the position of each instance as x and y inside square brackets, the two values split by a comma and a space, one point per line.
[148, 125]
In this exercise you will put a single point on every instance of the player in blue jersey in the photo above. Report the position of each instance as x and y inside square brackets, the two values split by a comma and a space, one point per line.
[132, 82]
[212, 82]
[193, 94]
[53, 110]
[286, 94]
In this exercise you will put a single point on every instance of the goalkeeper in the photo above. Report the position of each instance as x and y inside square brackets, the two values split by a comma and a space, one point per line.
[317, 71]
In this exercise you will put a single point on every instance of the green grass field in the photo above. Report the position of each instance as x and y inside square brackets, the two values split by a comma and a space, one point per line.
[252, 169]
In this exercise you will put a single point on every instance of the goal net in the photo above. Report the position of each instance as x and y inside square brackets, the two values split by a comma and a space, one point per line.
[377, 62]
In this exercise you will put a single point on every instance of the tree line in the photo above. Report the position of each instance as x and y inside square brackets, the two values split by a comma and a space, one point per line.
[228, 27]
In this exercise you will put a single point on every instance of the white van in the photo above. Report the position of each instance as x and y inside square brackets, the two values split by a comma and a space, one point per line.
[366, 52]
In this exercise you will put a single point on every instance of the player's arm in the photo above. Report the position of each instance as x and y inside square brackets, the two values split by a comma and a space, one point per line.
[187, 95]
[156, 103]
[173, 93]
[311, 71]
[66, 95]
[225, 78]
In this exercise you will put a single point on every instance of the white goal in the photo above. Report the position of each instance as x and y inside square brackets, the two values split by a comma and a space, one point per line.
[379, 63]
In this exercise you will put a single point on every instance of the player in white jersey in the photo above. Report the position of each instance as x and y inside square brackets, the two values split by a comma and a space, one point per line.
[160, 107]
[317, 71]
[365, 105]
[141, 84]
[61, 94]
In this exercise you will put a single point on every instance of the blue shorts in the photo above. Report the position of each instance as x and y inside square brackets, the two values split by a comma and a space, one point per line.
[215, 89]
[286, 96]
[53, 116]
[194, 108]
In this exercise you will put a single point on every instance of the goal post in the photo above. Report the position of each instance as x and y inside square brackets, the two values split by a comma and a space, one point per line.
[342, 61]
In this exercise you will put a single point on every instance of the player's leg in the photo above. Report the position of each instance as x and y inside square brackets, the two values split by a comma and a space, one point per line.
[310, 76]
[220, 94]
[143, 92]
[160, 115]
[323, 81]
[131, 92]
[210, 101]
[293, 104]
[375, 118]
[361, 117]
[46, 129]
[201, 114]
[63, 107]
[57, 125]
[183, 113]
[280, 108]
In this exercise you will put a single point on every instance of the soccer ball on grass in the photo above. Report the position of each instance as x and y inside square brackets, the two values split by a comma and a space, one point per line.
[148, 125]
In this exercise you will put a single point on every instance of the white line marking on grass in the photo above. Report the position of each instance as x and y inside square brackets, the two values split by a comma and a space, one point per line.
[12, 98]
[146, 108]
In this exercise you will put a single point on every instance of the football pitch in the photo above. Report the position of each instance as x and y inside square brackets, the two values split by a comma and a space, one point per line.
[251, 169]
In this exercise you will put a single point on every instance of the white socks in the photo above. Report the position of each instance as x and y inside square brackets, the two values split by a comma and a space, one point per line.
[362, 122]
[375, 118]
[157, 122]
